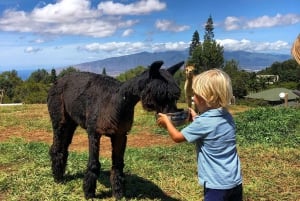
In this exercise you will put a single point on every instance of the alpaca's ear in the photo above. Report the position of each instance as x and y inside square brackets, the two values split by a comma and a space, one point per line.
[175, 68]
[154, 68]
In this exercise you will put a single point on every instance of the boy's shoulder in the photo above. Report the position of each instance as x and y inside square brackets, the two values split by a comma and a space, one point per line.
[215, 112]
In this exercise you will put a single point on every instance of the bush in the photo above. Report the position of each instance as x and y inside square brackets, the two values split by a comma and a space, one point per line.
[30, 92]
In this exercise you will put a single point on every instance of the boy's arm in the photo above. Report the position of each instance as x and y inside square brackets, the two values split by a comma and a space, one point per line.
[175, 134]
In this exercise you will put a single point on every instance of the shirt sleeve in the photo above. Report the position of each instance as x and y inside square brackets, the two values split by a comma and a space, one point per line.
[197, 130]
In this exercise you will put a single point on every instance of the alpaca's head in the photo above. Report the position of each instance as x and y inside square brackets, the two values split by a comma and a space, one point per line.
[189, 71]
[161, 91]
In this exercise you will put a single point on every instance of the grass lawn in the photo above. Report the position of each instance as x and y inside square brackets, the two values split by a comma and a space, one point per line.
[162, 171]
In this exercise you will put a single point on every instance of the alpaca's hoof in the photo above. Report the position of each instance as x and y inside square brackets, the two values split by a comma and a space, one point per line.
[58, 177]
[119, 197]
[118, 193]
[89, 196]
[59, 180]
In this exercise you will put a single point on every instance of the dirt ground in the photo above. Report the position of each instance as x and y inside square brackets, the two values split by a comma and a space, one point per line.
[80, 140]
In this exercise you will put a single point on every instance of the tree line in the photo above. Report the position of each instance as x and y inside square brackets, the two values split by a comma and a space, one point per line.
[32, 90]
[203, 55]
[35, 88]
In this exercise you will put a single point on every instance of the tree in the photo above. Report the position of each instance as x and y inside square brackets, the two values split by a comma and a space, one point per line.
[231, 67]
[31, 92]
[212, 52]
[288, 71]
[212, 55]
[238, 78]
[253, 84]
[209, 54]
[53, 76]
[9, 80]
[104, 71]
[209, 29]
[239, 84]
[39, 76]
[195, 42]
[67, 71]
[130, 73]
[197, 59]
[180, 78]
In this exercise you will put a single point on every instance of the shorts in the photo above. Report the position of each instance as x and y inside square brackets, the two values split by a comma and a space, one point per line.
[234, 194]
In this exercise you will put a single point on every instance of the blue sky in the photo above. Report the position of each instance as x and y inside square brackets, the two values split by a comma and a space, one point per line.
[54, 33]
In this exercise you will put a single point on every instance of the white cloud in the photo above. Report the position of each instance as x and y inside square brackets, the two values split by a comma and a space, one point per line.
[32, 50]
[69, 17]
[167, 25]
[232, 23]
[252, 46]
[235, 23]
[138, 8]
[278, 20]
[39, 40]
[127, 32]
[124, 48]
[160, 47]
[64, 11]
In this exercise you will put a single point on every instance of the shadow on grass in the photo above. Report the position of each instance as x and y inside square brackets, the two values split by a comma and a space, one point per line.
[136, 187]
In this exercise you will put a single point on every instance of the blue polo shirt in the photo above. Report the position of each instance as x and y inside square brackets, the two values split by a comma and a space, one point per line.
[213, 132]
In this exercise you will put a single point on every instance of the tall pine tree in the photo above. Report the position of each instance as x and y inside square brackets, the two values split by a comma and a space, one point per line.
[195, 42]
[103, 71]
[53, 76]
[209, 29]
[209, 54]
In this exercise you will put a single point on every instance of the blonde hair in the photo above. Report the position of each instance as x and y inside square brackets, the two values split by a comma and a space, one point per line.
[296, 49]
[214, 86]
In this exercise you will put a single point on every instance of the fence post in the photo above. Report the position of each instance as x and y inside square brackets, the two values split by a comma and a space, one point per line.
[1, 95]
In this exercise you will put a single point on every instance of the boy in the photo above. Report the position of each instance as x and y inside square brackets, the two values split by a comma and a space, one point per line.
[213, 132]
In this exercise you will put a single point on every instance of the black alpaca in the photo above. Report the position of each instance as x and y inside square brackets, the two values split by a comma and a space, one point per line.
[104, 106]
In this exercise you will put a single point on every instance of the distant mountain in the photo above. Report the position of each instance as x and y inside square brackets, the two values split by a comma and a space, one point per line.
[116, 65]
[255, 61]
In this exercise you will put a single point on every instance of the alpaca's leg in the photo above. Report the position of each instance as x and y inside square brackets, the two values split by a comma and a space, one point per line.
[117, 179]
[63, 134]
[93, 167]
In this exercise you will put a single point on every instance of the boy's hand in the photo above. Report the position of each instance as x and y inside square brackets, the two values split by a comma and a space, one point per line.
[162, 120]
[192, 114]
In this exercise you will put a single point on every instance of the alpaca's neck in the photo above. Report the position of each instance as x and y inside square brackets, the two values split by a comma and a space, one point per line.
[189, 81]
[188, 85]
[132, 89]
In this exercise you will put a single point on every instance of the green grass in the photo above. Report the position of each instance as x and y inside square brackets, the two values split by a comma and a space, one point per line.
[27, 175]
[269, 126]
[157, 173]
[270, 167]
[29, 117]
